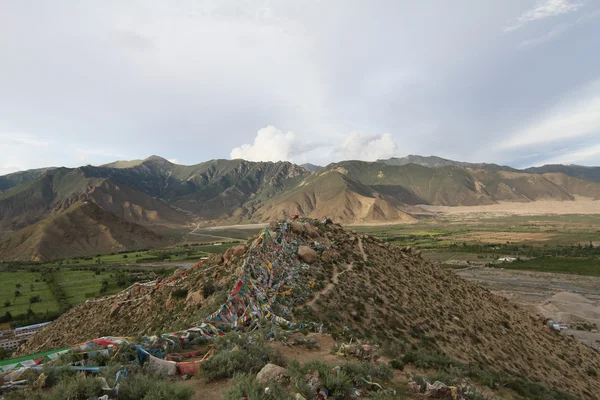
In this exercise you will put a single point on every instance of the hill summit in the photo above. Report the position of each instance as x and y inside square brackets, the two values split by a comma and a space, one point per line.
[322, 274]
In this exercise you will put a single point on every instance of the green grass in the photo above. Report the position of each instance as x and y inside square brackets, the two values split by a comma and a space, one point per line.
[20, 304]
[179, 253]
[215, 249]
[83, 285]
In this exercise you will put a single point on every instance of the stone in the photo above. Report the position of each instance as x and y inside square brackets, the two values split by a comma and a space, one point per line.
[114, 309]
[312, 231]
[273, 225]
[271, 373]
[136, 289]
[239, 250]
[179, 272]
[194, 298]
[235, 251]
[307, 254]
[297, 228]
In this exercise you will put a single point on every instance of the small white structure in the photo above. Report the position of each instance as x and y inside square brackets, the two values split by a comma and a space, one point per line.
[507, 259]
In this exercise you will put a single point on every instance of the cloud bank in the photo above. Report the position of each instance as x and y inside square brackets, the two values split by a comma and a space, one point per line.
[272, 144]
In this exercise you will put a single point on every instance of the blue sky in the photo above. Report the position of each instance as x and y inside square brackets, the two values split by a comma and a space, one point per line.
[511, 82]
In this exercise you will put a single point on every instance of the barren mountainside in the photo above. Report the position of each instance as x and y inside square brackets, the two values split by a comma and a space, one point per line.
[360, 283]
[84, 229]
[156, 193]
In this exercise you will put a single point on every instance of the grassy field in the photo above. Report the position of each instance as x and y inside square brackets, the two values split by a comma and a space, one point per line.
[172, 254]
[31, 284]
[82, 285]
[553, 243]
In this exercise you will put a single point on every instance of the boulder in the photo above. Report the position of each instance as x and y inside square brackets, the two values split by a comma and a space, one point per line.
[136, 288]
[114, 309]
[179, 272]
[297, 228]
[235, 251]
[194, 298]
[307, 254]
[271, 373]
[312, 231]
[239, 250]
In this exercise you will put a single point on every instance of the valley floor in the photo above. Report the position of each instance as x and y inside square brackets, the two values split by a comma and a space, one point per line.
[570, 300]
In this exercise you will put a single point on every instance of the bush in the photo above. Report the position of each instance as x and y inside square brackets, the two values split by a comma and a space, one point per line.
[384, 396]
[237, 354]
[428, 357]
[151, 386]
[78, 387]
[180, 293]
[340, 384]
[245, 386]
[209, 288]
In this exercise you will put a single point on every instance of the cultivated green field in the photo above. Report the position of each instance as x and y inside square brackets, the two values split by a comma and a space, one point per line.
[31, 284]
[551, 243]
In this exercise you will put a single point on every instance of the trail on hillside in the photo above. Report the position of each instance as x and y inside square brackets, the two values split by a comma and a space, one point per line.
[334, 281]
[362, 251]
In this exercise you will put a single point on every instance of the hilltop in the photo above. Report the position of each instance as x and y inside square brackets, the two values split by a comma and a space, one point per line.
[352, 283]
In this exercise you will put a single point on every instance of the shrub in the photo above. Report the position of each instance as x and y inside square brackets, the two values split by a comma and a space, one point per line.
[180, 293]
[237, 353]
[385, 395]
[245, 386]
[78, 387]
[209, 288]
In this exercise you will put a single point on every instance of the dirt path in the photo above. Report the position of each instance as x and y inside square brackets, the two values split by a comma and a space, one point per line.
[334, 281]
[362, 251]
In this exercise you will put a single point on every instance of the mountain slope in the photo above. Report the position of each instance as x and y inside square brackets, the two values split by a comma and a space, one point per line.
[55, 191]
[362, 287]
[458, 186]
[437, 162]
[21, 177]
[81, 230]
[591, 174]
[333, 194]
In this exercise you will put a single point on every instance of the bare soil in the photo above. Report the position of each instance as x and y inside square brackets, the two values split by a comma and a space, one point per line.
[580, 205]
[567, 299]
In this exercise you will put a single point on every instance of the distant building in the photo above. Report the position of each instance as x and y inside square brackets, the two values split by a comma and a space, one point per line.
[507, 259]
[11, 339]
[28, 331]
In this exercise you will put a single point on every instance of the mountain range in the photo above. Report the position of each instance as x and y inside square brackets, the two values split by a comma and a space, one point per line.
[127, 205]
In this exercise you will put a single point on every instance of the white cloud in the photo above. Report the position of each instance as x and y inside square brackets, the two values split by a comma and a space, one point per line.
[173, 160]
[367, 146]
[270, 144]
[575, 117]
[544, 9]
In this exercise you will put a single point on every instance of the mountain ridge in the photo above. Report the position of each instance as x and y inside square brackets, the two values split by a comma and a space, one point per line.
[156, 193]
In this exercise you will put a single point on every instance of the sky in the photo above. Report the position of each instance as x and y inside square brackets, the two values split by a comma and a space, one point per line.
[513, 82]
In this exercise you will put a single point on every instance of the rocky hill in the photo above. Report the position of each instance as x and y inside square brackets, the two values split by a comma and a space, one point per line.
[349, 283]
